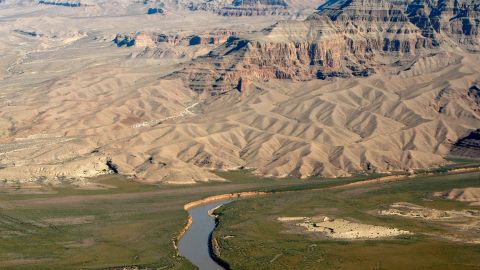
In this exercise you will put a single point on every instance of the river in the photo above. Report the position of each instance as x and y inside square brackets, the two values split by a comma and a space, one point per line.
[196, 242]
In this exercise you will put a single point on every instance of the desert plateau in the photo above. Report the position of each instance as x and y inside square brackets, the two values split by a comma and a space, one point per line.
[239, 134]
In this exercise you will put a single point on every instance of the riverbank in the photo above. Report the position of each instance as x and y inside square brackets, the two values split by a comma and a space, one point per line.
[208, 200]
[223, 197]
[355, 184]
[251, 237]
[196, 244]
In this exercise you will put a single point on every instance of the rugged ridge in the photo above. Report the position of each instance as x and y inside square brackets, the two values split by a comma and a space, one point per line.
[468, 146]
[255, 8]
[61, 3]
[154, 39]
[76, 106]
[162, 7]
[344, 38]
[457, 20]
[242, 7]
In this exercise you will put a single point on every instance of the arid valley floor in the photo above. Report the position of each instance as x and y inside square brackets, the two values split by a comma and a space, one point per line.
[353, 126]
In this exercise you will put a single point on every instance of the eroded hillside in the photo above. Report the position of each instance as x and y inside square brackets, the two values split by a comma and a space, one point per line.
[359, 86]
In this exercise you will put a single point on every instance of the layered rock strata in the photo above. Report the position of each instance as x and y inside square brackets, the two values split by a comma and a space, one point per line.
[468, 146]
[156, 39]
[242, 7]
[344, 38]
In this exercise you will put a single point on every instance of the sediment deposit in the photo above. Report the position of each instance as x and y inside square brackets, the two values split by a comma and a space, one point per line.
[343, 229]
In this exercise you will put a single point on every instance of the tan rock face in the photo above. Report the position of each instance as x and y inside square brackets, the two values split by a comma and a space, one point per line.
[242, 7]
[156, 39]
[144, 40]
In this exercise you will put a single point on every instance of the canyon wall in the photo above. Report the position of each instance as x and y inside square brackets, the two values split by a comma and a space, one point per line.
[342, 39]
[155, 39]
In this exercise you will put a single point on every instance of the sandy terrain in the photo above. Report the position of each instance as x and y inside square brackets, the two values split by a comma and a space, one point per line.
[268, 131]
[75, 105]
[69, 91]
[343, 229]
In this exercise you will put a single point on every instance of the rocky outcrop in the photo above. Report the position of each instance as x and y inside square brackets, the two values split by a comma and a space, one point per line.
[253, 11]
[144, 40]
[280, 3]
[343, 38]
[156, 39]
[26, 33]
[474, 94]
[156, 10]
[61, 3]
[124, 40]
[469, 146]
[255, 8]
[241, 7]
[290, 8]
[456, 19]
[216, 38]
